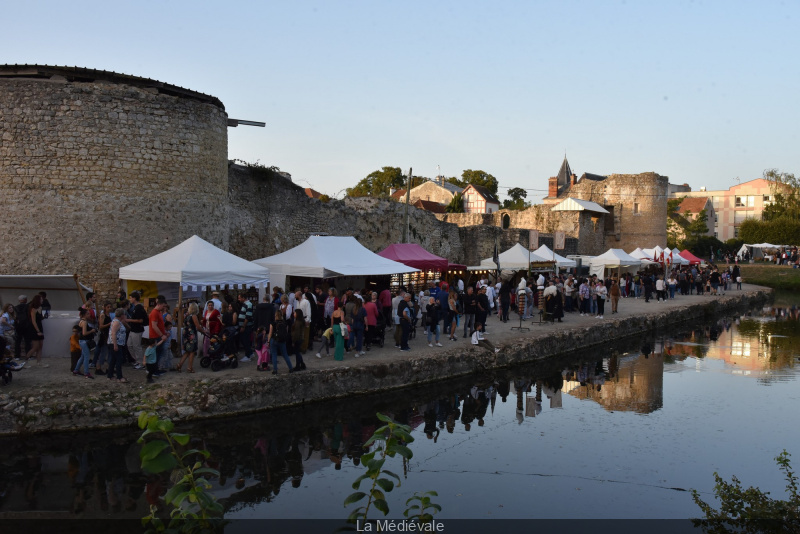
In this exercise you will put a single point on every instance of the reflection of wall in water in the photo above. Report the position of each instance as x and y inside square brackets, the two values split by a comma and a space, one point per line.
[636, 386]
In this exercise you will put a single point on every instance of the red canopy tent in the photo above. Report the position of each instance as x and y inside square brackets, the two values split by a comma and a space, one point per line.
[414, 256]
[693, 260]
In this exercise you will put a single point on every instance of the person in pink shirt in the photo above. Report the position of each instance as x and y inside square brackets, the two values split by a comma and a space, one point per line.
[385, 301]
[371, 307]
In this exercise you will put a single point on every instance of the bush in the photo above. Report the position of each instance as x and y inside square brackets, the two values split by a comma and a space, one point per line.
[779, 231]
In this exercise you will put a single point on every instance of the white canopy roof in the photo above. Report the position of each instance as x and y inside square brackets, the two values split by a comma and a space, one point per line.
[561, 261]
[576, 204]
[196, 262]
[329, 257]
[765, 245]
[641, 254]
[516, 258]
[615, 257]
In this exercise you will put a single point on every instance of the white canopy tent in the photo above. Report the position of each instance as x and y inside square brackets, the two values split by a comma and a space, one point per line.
[562, 262]
[613, 258]
[197, 264]
[516, 258]
[329, 257]
[641, 255]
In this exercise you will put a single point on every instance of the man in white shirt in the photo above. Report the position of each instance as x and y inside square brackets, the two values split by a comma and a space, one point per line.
[216, 301]
[303, 305]
[398, 332]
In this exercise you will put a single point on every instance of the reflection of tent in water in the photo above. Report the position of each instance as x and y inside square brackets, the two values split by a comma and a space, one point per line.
[633, 384]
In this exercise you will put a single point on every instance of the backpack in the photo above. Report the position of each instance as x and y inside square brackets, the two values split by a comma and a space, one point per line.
[281, 332]
[23, 317]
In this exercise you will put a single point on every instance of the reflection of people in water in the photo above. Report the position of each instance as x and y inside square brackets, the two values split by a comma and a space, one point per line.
[294, 463]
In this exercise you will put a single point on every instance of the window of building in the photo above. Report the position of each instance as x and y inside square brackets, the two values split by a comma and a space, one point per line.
[751, 201]
[506, 221]
[739, 202]
[636, 208]
[735, 231]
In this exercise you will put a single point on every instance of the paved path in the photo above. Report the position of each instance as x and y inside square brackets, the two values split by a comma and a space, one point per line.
[58, 375]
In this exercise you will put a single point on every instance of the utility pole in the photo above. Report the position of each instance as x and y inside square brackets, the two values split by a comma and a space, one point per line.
[408, 200]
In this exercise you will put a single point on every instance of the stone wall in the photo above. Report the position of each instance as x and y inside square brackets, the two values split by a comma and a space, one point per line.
[583, 236]
[639, 208]
[269, 214]
[94, 176]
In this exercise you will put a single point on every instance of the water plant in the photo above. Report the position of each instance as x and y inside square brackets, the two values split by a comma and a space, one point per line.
[194, 509]
[391, 440]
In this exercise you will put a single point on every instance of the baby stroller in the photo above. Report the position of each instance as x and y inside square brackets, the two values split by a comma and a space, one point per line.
[216, 355]
[376, 333]
[7, 368]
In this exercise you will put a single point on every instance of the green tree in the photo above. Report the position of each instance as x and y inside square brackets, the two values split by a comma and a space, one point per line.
[751, 510]
[675, 223]
[456, 204]
[517, 200]
[476, 177]
[785, 189]
[698, 226]
[378, 183]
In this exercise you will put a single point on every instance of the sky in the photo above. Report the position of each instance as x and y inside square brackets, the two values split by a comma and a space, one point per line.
[703, 92]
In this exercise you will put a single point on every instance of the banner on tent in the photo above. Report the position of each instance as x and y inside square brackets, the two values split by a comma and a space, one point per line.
[150, 290]
[533, 240]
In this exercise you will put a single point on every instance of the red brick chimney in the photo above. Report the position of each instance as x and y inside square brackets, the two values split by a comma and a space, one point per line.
[572, 179]
[552, 189]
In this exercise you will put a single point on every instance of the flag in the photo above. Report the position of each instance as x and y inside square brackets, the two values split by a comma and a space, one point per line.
[496, 256]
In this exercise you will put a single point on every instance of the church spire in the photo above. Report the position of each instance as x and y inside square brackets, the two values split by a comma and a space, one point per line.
[564, 173]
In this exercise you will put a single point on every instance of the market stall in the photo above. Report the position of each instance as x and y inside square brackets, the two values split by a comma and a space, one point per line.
[613, 258]
[330, 257]
[431, 267]
[561, 261]
[693, 260]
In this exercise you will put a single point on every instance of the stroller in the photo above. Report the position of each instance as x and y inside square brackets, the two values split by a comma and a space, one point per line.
[216, 354]
[376, 334]
[7, 368]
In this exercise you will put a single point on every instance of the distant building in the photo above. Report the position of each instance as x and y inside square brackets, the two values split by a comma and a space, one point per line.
[636, 204]
[478, 199]
[734, 205]
[312, 193]
[438, 190]
[691, 207]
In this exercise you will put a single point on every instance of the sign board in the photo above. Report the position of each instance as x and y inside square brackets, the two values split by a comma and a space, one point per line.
[533, 240]
[560, 238]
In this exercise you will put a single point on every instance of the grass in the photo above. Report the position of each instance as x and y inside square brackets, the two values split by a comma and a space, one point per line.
[774, 276]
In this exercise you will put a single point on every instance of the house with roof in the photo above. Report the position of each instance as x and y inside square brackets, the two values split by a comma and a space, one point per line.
[733, 206]
[478, 199]
[431, 195]
[690, 209]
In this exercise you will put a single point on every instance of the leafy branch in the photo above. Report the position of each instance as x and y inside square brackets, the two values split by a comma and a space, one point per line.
[390, 439]
[424, 508]
[194, 508]
[751, 510]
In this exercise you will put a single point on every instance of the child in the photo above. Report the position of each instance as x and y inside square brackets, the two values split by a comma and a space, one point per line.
[262, 349]
[74, 346]
[166, 359]
[327, 342]
[150, 357]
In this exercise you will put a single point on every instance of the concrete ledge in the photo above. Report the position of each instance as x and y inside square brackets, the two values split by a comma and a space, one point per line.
[59, 408]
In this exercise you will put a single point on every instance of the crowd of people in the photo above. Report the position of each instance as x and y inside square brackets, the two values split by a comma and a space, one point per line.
[111, 336]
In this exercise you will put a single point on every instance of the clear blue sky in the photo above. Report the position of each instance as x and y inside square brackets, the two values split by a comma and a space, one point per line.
[703, 92]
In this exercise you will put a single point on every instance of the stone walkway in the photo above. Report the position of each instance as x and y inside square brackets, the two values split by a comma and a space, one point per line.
[58, 375]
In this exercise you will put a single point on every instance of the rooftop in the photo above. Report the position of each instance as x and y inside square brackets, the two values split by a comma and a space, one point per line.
[576, 204]
[85, 75]
[692, 205]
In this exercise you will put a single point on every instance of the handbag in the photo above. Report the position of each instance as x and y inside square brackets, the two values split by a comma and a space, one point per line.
[91, 343]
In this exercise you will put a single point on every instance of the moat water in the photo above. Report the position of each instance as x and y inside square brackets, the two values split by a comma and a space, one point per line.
[623, 431]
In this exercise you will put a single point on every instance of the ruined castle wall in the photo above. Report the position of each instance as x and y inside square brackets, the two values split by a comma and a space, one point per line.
[583, 236]
[269, 214]
[639, 203]
[94, 176]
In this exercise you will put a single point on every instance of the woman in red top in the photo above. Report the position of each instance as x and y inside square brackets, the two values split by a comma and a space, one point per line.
[212, 325]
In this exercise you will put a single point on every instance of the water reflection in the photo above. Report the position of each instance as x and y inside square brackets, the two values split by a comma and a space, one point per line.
[314, 451]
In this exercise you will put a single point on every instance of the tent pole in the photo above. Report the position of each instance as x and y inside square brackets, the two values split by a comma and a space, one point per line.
[78, 287]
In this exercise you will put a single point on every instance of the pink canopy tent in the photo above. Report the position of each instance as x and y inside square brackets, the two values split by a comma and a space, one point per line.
[693, 260]
[414, 256]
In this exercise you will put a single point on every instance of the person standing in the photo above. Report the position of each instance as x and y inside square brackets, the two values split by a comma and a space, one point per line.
[101, 351]
[371, 308]
[137, 322]
[615, 293]
[404, 311]
[452, 313]
[86, 334]
[432, 321]
[505, 301]
[470, 307]
[337, 319]
[190, 328]
[21, 326]
[482, 309]
[116, 338]
[245, 327]
[398, 329]
[157, 330]
[298, 327]
[602, 293]
[212, 325]
[35, 330]
[278, 335]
